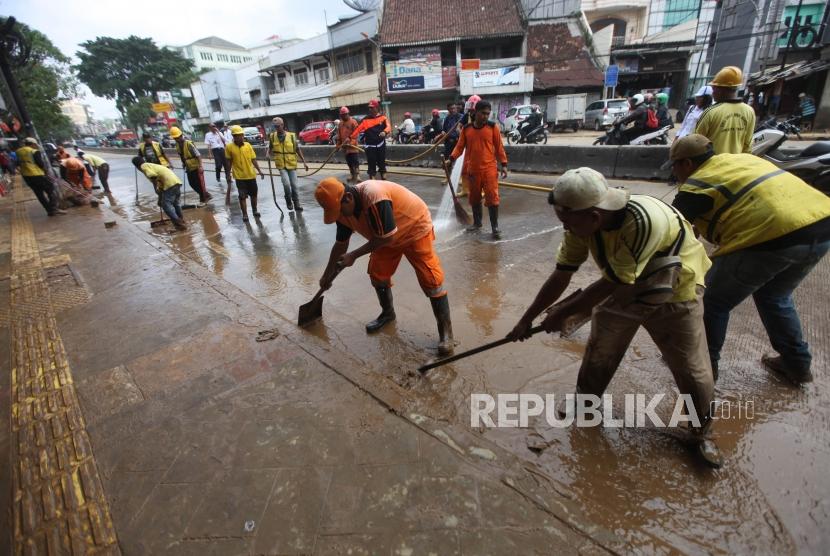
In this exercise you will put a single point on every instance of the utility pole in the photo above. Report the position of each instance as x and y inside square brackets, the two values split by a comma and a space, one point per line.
[793, 33]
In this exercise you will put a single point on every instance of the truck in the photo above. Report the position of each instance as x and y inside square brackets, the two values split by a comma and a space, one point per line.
[566, 111]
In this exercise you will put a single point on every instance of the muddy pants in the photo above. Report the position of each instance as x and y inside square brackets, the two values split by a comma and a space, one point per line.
[376, 159]
[103, 175]
[421, 255]
[487, 182]
[676, 328]
[45, 191]
[196, 180]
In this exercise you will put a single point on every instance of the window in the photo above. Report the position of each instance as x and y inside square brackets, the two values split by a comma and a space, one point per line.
[321, 73]
[248, 58]
[729, 14]
[236, 59]
[370, 61]
[300, 77]
[281, 81]
[511, 112]
[206, 56]
[350, 62]
[594, 106]
[215, 106]
[222, 57]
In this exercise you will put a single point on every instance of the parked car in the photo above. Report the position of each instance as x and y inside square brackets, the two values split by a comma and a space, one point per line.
[602, 113]
[90, 142]
[317, 133]
[253, 135]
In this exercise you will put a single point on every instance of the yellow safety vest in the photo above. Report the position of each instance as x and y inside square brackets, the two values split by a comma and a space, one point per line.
[754, 201]
[26, 161]
[190, 162]
[285, 152]
[157, 149]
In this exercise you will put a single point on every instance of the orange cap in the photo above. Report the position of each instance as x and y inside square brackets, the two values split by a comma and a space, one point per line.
[329, 193]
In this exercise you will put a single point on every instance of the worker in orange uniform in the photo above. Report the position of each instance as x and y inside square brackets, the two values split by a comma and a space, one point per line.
[344, 141]
[76, 173]
[375, 127]
[484, 149]
[397, 224]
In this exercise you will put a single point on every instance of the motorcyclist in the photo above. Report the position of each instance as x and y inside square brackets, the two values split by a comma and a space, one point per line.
[407, 129]
[533, 121]
[663, 117]
[433, 128]
[638, 115]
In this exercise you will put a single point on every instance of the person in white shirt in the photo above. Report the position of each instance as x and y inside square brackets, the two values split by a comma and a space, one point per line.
[216, 141]
[703, 99]
[408, 125]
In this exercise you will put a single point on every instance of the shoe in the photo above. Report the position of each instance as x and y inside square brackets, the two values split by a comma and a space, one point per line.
[245, 219]
[288, 204]
[709, 453]
[494, 221]
[477, 215]
[777, 365]
[180, 224]
[441, 310]
[387, 310]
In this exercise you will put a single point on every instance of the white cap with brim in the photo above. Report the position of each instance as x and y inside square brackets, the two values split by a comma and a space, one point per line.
[585, 188]
[30, 141]
[705, 90]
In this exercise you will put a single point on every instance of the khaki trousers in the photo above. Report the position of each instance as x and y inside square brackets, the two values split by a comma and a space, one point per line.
[676, 328]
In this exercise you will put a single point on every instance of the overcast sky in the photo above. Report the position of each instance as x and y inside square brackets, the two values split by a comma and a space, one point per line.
[179, 22]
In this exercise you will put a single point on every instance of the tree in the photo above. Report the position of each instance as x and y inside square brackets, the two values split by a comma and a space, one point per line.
[138, 112]
[127, 69]
[45, 79]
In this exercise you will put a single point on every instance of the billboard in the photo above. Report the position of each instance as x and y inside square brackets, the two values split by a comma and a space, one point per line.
[417, 68]
[511, 75]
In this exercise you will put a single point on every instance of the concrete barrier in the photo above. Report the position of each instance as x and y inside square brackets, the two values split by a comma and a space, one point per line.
[640, 162]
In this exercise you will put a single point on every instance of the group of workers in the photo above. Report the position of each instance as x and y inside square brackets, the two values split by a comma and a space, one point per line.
[769, 229]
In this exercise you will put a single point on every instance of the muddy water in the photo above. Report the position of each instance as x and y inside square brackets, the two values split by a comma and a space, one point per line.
[773, 496]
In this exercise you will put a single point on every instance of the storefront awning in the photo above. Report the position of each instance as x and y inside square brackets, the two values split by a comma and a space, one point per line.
[790, 71]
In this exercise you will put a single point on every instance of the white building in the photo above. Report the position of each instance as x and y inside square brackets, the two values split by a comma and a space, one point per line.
[215, 53]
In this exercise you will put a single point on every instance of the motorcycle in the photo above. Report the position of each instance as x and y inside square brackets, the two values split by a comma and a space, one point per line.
[401, 138]
[614, 136]
[538, 135]
[812, 164]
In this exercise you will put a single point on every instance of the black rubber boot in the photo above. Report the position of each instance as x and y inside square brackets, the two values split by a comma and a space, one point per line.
[297, 206]
[441, 310]
[494, 221]
[477, 216]
[387, 313]
[288, 204]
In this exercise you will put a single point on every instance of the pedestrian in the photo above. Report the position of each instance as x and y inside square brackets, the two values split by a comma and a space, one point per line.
[152, 152]
[284, 147]
[192, 161]
[807, 110]
[652, 269]
[451, 129]
[32, 166]
[375, 127]
[242, 159]
[344, 141]
[481, 140]
[396, 223]
[216, 142]
[703, 100]
[100, 167]
[770, 228]
[168, 187]
[729, 123]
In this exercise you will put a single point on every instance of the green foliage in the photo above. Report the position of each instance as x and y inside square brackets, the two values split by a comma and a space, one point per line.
[127, 69]
[136, 114]
[45, 80]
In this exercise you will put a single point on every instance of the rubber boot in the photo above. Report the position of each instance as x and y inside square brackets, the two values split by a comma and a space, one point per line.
[288, 204]
[494, 221]
[387, 313]
[477, 215]
[441, 310]
[297, 206]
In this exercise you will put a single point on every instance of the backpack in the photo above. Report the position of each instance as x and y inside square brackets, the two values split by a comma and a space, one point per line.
[651, 119]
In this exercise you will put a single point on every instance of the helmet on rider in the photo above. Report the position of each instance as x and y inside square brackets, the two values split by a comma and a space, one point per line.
[471, 103]
[637, 99]
[662, 98]
[407, 115]
[435, 112]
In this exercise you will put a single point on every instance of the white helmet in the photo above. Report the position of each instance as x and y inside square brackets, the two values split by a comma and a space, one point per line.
[638, 99]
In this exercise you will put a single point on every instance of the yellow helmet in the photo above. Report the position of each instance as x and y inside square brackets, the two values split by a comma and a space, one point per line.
[237, 130]
[175, 132]
[730, 76]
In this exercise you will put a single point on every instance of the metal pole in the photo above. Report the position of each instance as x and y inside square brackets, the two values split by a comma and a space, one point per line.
[793, 33]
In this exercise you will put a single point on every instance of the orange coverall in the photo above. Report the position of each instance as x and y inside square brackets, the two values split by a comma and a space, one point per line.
[484, 151]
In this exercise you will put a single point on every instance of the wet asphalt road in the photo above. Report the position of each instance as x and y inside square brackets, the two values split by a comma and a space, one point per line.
[773, 495]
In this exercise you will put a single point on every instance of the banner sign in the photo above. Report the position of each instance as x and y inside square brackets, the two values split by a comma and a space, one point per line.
[511, 75]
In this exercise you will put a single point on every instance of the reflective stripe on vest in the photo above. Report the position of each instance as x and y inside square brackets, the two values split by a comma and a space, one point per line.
[753, 201]
[286, 156]
[26, 161]
[191, 162]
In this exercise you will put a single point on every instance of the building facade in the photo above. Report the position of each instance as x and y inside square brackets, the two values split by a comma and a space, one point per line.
[214, 53]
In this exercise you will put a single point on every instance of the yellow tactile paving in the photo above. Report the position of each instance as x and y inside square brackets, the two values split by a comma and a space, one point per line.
[59, 505]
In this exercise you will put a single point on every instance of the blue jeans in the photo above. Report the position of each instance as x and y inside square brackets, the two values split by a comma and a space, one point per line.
[170, 202]
[289, 185]
[770, 277]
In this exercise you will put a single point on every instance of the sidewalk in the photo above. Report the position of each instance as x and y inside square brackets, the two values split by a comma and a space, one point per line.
[148, 419]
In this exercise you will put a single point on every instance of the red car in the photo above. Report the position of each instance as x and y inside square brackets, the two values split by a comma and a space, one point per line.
[316, 133]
